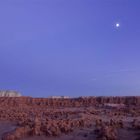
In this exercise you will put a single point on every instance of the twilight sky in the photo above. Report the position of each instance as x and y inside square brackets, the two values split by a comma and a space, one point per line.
[70, 47]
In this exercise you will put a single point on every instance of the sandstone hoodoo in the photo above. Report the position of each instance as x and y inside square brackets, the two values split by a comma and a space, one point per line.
[9, 93]
[89, 118]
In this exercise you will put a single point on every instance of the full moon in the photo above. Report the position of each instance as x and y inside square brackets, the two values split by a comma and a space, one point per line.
[117, 25]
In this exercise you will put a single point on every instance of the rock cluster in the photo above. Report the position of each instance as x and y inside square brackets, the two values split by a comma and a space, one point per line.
[136, 124]
[46, 127]
[107, 130]
[53, 117]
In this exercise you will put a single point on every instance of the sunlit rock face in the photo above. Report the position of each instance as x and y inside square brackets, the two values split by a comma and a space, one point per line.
[9, 93]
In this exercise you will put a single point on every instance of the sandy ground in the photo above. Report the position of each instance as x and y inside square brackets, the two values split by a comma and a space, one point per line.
[79, 134]
[87, 135]
[6, 127]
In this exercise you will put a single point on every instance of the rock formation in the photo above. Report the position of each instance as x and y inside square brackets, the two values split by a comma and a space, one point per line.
[9, 93]
[53, 117]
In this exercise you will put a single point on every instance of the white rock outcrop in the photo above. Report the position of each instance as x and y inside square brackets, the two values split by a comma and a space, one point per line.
[9, 93]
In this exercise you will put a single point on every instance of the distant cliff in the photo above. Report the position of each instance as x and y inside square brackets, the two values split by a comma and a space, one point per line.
[71, 102]
[9, 93]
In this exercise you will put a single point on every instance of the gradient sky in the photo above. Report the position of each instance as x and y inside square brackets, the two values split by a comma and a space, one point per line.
[70, 47]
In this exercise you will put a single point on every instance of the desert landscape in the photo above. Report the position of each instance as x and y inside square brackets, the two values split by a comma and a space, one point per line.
[69, 69]
[82, 118]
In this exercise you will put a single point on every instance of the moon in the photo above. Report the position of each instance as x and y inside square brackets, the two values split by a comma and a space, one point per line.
[117, 25]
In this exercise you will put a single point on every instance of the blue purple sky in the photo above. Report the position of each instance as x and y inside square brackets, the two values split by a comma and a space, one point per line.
[70, 47]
